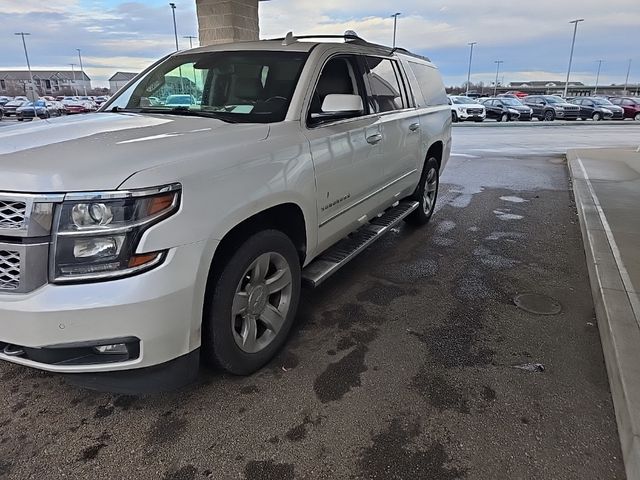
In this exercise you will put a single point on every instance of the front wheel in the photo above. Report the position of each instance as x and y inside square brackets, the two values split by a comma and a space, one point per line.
[637, 117]
[597, 117]
[454, 117]
[549, 116]
[252, 303]
[426, 194]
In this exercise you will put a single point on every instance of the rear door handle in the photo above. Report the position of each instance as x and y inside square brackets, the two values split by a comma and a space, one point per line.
[375, 138]
[414, 126]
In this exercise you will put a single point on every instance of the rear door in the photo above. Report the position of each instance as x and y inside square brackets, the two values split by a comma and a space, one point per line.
[399, 123]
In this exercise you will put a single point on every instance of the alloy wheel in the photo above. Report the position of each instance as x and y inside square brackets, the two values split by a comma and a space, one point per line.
[261, 302]
[430, 191]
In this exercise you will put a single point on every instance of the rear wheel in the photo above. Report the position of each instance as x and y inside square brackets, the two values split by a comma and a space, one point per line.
[426, 194]
[252, 304]
[549, 116]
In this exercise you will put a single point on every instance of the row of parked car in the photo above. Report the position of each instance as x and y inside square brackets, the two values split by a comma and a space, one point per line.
[47, 106]
[509, 107]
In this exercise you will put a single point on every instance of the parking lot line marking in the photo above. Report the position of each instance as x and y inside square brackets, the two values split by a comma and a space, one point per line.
[634, 300]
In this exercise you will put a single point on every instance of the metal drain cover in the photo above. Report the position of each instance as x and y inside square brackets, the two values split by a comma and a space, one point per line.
[538, 304]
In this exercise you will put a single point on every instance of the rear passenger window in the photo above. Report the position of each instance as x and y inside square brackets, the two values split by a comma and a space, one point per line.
[430, 83]
[385, 85]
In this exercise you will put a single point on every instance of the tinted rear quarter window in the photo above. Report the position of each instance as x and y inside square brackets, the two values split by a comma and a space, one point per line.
[430, 84]
[385, 85]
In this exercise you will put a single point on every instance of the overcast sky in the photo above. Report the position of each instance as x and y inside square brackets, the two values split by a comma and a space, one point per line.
[533, 38]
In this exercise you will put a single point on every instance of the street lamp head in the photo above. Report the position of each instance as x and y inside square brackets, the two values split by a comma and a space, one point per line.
[577, 20]
[172, 5]
[397, 14]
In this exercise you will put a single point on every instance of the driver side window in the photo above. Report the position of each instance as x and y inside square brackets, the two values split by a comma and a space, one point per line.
[340, 75]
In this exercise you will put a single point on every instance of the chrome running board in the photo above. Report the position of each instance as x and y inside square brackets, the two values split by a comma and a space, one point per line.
[346, 249]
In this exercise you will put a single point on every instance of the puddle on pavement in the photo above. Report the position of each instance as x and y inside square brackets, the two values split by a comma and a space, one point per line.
[505, 215]
[530, 367]
[537, 303]
[513, 199]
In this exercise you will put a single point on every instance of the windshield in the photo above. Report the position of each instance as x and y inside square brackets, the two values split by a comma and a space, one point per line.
[462, 100]
[553, 99]
[511, 101]
[234, 86]
[602, 101]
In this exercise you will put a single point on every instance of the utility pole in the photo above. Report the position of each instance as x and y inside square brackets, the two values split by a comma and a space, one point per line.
[33, 86]
[73, 72]
[573, 42]
[595, 91]
[84, 83]
[626, 82]
[395, 25]
[495, 86]
[190, 37]
[471, 44]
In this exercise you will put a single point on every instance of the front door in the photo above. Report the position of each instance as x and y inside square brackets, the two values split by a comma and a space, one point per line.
[346, 152]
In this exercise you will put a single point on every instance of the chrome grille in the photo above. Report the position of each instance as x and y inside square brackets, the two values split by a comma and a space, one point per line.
[474, 111]
[9, 270]
[12, 214]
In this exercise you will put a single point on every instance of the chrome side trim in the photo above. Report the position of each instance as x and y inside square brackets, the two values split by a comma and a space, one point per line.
[119, 194]
[364, 199]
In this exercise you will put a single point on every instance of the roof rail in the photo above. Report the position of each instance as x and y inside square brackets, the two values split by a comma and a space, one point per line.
[349, 36]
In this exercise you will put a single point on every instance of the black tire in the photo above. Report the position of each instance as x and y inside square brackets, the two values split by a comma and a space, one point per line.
[549, 116]
[454, 117]
[422, 215]
[637, 117]
[219, 347]
[20, 119]
[597, 116]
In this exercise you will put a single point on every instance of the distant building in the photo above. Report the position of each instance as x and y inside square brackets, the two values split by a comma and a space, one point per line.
[119, 80]
[47, 82]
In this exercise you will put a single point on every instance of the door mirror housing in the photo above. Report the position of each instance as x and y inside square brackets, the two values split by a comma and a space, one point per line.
[338, 104]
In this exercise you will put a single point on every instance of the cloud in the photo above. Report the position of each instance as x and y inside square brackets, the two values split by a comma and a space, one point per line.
[532, 38]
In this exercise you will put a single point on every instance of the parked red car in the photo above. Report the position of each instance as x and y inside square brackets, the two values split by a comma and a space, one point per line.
[630, 105]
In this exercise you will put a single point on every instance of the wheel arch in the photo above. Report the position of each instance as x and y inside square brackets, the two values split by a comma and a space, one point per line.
[436, 149]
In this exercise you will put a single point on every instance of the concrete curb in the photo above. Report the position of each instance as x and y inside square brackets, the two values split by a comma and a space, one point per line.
[617, 322]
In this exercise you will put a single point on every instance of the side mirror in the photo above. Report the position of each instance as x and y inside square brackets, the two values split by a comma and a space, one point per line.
[336, 104]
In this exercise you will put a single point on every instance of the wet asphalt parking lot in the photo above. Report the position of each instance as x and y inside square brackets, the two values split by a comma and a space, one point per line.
[401, 366]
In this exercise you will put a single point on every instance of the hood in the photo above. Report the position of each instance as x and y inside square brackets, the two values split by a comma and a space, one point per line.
[99, 151]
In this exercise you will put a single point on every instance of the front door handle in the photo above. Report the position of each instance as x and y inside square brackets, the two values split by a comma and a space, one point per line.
[375, 138]
[414, 126]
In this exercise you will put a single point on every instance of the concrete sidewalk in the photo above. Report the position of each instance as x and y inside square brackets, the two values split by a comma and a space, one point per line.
[606, 184]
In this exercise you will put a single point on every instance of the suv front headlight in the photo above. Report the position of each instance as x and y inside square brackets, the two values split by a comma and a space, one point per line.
[96, 234]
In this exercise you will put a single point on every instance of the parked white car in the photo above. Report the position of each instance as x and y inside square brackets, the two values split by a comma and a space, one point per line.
[465, 108]
[150, 235]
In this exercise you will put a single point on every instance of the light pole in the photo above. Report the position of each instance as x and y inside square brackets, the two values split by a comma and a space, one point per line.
[395, 26]
[73, 73]
[595, 91]
[495, 86]
[190, 37]
[175, 28]
[26, 55]
[573, 42]
[471, 44]
[626, 82]
[84, 84]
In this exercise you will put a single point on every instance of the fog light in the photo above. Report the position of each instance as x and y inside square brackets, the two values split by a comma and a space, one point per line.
[114, 349]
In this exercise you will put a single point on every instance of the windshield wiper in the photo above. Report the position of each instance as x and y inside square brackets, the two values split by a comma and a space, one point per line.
[186, 111]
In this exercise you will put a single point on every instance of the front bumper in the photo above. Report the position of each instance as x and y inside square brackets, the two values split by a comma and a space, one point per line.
[568, 114]
[471, 115]
[159, 311]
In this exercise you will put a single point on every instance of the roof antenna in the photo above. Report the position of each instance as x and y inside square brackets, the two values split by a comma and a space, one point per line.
[349, 34]
[289, 39]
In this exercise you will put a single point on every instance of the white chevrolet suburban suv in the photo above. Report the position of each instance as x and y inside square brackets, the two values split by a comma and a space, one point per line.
[135, 240]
